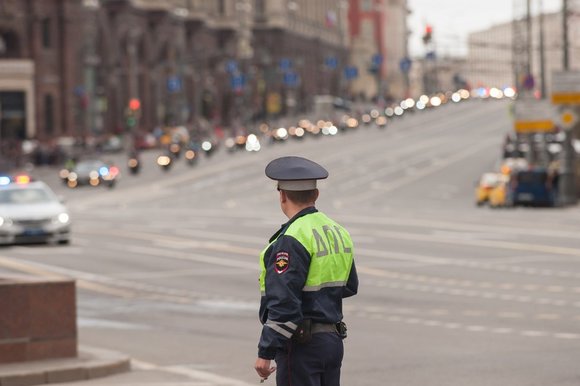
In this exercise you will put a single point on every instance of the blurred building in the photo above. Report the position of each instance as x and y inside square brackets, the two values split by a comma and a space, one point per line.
[378, 48]
[494, 54]
[299, 50]
[38, 69]
[489, 58]
[87, 68]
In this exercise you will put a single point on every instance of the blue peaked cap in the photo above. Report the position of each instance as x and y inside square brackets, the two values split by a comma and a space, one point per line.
[294, 168]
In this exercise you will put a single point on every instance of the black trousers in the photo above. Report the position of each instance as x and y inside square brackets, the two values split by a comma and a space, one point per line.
[314, 364]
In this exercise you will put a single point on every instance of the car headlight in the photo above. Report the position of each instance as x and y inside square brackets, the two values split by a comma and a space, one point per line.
[62, 218]
[5, 221]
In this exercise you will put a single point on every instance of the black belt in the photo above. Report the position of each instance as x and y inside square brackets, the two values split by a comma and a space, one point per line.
[323, 327]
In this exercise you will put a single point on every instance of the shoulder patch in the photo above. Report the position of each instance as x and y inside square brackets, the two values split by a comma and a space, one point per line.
[282, 262]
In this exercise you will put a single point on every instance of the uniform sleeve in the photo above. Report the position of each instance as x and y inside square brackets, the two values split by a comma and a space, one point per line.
[351, 287]
[286, 266]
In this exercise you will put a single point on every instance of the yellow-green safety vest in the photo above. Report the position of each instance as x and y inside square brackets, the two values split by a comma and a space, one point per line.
[330, 248]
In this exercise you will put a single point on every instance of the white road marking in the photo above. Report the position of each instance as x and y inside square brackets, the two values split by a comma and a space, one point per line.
[468, 328]
[566, 336]
[548, 316]
[193, 374]
[109, 324]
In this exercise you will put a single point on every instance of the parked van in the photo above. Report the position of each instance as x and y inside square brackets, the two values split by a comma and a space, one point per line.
[535, 187]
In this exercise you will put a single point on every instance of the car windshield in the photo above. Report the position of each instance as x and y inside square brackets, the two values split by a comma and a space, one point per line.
[24, 196]
[489, 179]
[532, 177]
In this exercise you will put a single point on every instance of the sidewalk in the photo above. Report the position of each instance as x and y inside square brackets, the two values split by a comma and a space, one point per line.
[100, 367]
[91, 363]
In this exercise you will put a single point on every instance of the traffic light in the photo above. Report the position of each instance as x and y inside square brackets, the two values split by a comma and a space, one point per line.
[134, 104]
[428, 35]
[131, 121]
[133, 112]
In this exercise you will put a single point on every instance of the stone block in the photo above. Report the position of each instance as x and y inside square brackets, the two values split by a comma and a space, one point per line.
[14, 310]
[52, 308]
[52, 348]
[37, 319]
[13, 351]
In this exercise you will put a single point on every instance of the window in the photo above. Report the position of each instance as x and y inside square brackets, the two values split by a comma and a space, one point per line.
[221, 7]
[49, 114]
[45, 27]
[13, 117]
[260, 7]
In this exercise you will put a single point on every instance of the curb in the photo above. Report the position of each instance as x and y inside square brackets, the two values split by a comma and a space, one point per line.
[91, 363]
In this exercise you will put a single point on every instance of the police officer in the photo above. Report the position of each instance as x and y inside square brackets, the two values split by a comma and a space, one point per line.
[306, 270]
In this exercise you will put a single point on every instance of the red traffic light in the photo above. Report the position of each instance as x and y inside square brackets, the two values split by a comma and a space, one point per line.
[428, 34]
[134, 104]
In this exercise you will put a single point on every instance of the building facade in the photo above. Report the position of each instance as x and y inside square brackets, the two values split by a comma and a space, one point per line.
[493, 56]
[72, 67]
[38, 69]
[378, 46]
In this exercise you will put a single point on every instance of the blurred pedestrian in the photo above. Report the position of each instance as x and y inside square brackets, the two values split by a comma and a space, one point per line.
[306, 271]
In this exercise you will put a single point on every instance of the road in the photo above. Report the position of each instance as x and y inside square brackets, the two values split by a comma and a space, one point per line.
[450, 294]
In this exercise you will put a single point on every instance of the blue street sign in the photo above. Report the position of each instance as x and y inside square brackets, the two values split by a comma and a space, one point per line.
[291, 79]
[331, 62]
[350, 72]
[231, 66]
[529, 82]
[237, 82]
[174, 84]
[405, 65]
[285, 64]
[377, 60]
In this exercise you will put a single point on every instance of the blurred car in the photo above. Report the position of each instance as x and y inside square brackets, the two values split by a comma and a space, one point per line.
[93, 173]
[501, 196]
[534, 187]
[486, 183]
[31, 212]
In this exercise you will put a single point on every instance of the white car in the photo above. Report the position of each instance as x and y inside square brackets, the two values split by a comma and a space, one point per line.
[30, 212]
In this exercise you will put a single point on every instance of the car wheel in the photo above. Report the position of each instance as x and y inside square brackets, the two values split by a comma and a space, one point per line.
[64, 242]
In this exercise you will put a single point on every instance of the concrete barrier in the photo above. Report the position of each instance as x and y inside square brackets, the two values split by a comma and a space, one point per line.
[37, 319]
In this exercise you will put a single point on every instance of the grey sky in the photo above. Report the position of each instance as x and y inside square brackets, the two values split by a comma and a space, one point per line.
[453, 20]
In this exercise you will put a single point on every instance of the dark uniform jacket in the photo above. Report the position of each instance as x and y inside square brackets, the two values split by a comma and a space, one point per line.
[284, 304]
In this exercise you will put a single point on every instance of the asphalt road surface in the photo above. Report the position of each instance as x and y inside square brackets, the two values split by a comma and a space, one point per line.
[450, 294]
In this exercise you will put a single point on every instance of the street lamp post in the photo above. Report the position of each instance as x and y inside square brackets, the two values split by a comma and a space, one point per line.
[133, 104]
[567, 183]
[565, 40]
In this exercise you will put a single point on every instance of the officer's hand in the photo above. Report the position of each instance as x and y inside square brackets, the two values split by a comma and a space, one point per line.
[263, 368]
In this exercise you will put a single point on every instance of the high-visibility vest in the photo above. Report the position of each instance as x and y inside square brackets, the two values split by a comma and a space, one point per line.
[330, 248]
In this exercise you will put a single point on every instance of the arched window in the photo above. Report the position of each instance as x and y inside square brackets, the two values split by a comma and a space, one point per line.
[9, 44]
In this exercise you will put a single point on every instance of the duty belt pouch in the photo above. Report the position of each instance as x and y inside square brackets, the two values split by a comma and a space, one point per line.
[303, 333]
[341, 328]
